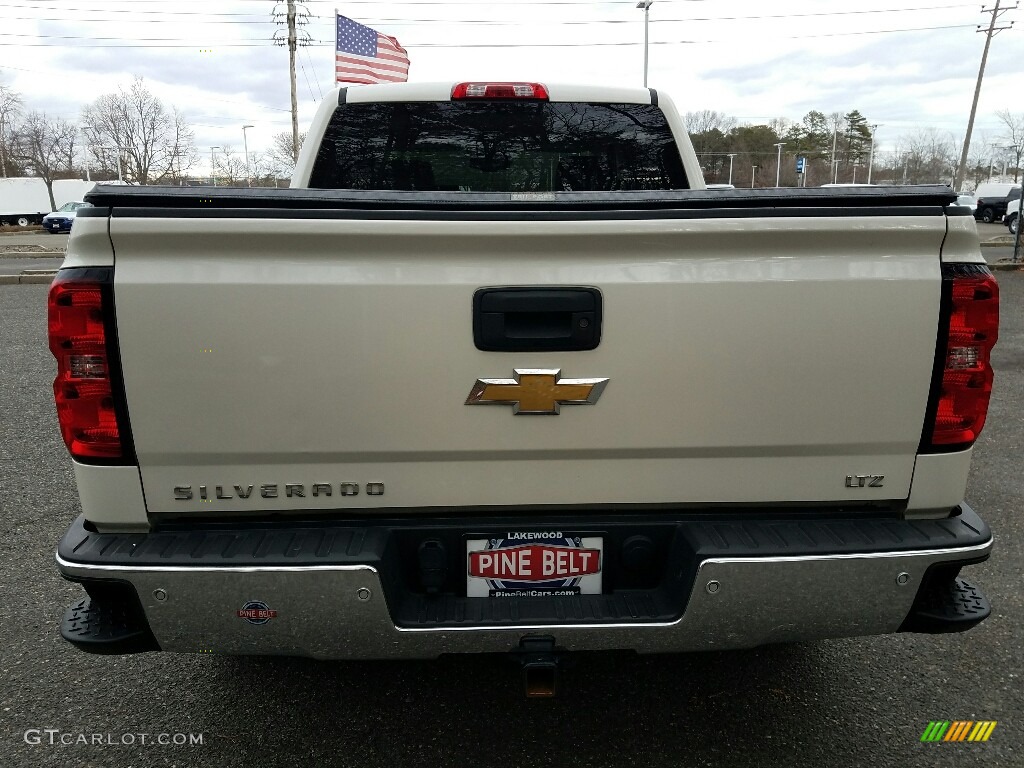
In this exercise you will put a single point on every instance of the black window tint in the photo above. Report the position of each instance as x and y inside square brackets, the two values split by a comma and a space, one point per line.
[498, 146]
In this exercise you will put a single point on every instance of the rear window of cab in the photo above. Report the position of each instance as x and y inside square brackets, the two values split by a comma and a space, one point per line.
[498, 146]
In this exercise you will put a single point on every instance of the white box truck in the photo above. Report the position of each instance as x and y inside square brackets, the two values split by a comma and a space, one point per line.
[24, 201]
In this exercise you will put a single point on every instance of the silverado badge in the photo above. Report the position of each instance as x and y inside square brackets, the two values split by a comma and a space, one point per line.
[534, 391]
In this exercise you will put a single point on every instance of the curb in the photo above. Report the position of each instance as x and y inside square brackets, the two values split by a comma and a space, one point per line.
[999, 242]
[36, 279]
[1006, 266]
[31, 255]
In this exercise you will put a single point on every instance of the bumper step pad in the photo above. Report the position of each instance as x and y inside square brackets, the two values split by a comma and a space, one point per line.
[107, 627]
[949, 606]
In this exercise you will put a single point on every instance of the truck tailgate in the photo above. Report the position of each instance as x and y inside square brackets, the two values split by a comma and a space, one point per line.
[749, 359]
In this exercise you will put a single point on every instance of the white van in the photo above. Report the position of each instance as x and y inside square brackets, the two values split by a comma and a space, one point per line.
[994, 189]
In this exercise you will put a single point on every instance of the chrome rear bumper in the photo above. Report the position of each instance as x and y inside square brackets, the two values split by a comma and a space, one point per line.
[341, 611]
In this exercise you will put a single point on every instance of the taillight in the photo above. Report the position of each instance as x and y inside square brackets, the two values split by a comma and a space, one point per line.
[534, 91]
[87, 388]
[962, 380]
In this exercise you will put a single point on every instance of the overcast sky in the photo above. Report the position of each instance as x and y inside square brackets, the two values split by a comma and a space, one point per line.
[753, 59]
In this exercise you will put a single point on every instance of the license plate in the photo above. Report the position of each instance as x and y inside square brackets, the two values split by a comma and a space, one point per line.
[534, 564]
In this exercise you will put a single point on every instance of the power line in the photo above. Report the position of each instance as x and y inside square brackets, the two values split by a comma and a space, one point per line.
[132, 45]
[108, 21]
[492, 22]
[177, 42]
[132, 11]
[309, 86]
[661, 21]
[666, 42]
[316, 77]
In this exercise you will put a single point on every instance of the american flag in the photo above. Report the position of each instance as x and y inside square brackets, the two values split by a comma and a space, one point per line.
[364, 55]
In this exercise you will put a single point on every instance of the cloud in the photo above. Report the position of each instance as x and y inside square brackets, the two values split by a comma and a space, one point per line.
[753, 67]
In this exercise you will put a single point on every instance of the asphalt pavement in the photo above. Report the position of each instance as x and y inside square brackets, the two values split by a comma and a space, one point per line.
[45, 239]
[15, 265]
[858, 702]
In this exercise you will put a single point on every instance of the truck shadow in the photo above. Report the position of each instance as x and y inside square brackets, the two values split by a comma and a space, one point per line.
[610, 709]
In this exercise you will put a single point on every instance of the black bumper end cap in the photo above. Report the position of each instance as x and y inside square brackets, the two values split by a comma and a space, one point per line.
[107, 628]
[950, 606]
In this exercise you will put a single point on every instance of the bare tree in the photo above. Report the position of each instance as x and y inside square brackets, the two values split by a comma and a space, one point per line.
[710, 134]
[153, 143]
[264, 169]
[280, 152]
[1014, 136]
[229, 167]
[10, 109]
[927, 157]
[706, 120]
[182, 153]
[979, 161]
[781, 125]
[47, 146]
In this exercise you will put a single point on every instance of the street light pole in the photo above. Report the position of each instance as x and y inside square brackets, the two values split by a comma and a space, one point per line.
[120, 176]
[646, 5]
[731, 156]
[213, 170]
[245, 141]
[778, 163]
[833, 163]
[88, 177]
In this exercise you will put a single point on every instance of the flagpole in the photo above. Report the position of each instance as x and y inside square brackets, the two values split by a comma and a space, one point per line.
[334, 58]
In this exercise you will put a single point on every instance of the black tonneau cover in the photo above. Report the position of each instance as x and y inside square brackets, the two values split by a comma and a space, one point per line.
[202, 202]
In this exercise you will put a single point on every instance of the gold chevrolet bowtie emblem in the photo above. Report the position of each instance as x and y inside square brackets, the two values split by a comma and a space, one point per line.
[536, 391]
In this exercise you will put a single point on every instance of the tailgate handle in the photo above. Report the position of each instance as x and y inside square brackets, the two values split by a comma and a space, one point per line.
[526, 319]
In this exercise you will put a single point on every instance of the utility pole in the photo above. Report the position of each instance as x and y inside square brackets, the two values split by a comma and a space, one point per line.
[294, 16]
[996, 12]
[778, 164]
[731, 156]
[753, 175]
[291, 77]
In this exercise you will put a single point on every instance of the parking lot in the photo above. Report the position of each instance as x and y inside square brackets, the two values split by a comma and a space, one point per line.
[854, 702]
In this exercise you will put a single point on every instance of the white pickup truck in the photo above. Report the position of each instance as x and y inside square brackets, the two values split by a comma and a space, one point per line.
[497, 373]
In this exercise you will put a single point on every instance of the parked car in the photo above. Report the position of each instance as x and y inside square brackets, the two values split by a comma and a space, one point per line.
[967, 201]
[62, 219]
[993, 199]
[1012, 219]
